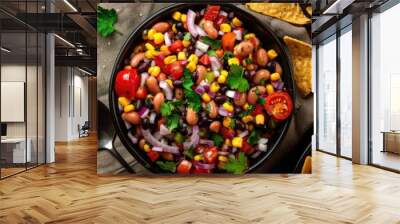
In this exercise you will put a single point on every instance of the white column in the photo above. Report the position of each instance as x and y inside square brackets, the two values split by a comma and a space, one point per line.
[360, 90]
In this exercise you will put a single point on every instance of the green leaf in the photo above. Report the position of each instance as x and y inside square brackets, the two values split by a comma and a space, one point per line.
[214, 44]
[173, 122]
[187, 36]
[167, 166]
[253, 137]
[236, 80]
[169, 106]
[106, 18]
[211, 53]
[237, 165]
[218, 139]
[261, 101]
[189, 153]
[193, 99]
[227, 55]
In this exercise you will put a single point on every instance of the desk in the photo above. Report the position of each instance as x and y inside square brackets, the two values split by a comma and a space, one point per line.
[391, 141]
[15, 148]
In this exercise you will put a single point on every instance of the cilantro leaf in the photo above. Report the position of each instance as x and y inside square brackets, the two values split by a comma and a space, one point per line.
[236, 80]
[218, 139]
[173, 122]
[187, 36]
[169, 106]
[106, 18]
[237, 165]
[167, 166]
[189, 153]
[214, 44]
[253, 137]
[227, 55]
[193, 99]
[261, 101]
[212, 53]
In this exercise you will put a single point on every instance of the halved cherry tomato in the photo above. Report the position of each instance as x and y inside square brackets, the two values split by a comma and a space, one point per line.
[153, 155]
[184, 167]
[228, 41]
[176, 46]
[127, 82]
[141, 93]
[210, 154]
[246, 147]
[212, 12]
[279, 105]
[227, 132]
[159, 60]
[174, 69]
[205, 60]
[257, 110]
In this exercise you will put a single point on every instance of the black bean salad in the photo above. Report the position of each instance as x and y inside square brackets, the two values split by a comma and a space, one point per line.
[200, 94]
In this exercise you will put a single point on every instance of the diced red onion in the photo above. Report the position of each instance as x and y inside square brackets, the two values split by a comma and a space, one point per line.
[280, 85]
[157, 149]
[231, 156]
[152, 118]
[204, 166]
[238, 34]
[194, 138]
[206, 142]
[256, 154]
[143, 78]
[200, 31]
[127, 125]
[199, 89]
[157, 135]
[191, 16]
[222, 153]
[167, 89]
[132, 138]
[263, 141]
[244, 134]
[164, 130]
[183, 62]
[222, 111]
[234, 150]
[215, 64]
[198, 52]
[220, 33]
[202, 46]
[212, 94]
[230, 93]
[153, 141]
[167, 39]
[143, 111]
[202, 12]
[277, 84]
[223, 13]
[252, 73]
[153, 63]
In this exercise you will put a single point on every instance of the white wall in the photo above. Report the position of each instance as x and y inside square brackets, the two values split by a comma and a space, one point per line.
[70, 84]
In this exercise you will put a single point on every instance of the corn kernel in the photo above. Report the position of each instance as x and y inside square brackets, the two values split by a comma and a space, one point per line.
[206, 98]
[270, 89]
[246, 106]
[214, 87]
[260, 120]
[174, 28]
[275, 76]
[193, 58]
[222, 158]
[170, 59]
[185, 43]
[154, 71]
[149, 54]
[183, 18]
[221, 79]
[249, 35]
[227, 122]
[191, 66]
[272, 54]
[158, 38]
[228, 107]
[224, 27]
[228, 142]
[129, 108]
[247, 118]
[237, 142]
[123, 101]
[224, 73]
[169, 82]
[198, 157]
[149, 47]
[181, 56]
[164, 49]
[146, 148]
[177, 16]
[233, 61]
[150, 34]
[250, 127]
[236, 22]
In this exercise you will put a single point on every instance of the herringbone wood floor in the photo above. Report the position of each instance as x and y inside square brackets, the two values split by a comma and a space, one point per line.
[69, 191]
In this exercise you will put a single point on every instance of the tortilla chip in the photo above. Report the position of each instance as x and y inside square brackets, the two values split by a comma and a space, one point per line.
[301, 54]
[309, 10]
[289, 12]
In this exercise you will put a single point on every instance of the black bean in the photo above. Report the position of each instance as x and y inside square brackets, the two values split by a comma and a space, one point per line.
[144, 66]
[271, 66]
[179, 26]
[179, 35]
[146, 124]
[240, 124]
[223, 89]
[220, 99]
[231, 15]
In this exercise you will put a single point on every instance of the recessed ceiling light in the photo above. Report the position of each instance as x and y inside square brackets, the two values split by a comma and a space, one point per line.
[64, 40]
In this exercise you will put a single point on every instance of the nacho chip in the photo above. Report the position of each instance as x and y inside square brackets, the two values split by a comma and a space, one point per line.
[301, 54]
[289, 12]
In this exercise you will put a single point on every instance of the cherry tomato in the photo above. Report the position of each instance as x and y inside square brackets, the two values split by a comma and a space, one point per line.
[212, 12]
[279, 105]
[257, 110]
[153, 155]
[159, 60]
[205, 60]
[127, 82]
[184, 167]
[176, 46]
[175, 70]
[220, 19]
[228, 41]
[200, 171]
[246, 147]
[141, 93]
[227, 132]
[210, 154]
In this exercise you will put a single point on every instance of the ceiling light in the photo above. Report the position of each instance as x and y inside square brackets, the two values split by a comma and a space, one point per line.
[337, 7]
[70, 5]
[65, 41]
[5, 50]
[84, 71]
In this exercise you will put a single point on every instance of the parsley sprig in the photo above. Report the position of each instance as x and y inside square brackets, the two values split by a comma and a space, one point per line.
[237, 165]
[236, 80]
[106, 18]
[167, 166]
[193, 99]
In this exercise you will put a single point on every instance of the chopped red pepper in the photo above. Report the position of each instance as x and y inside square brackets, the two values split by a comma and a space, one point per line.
[257, 110]
[212, 12]
[153, 155]
[205, 60]
[176, 46]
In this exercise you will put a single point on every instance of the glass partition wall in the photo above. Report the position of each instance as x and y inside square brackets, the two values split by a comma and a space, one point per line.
[22, 77]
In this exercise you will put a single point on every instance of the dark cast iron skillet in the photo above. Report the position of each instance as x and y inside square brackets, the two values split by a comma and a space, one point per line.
[268, 40]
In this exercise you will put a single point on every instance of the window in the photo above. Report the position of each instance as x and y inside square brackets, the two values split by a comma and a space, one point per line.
[327, 96]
